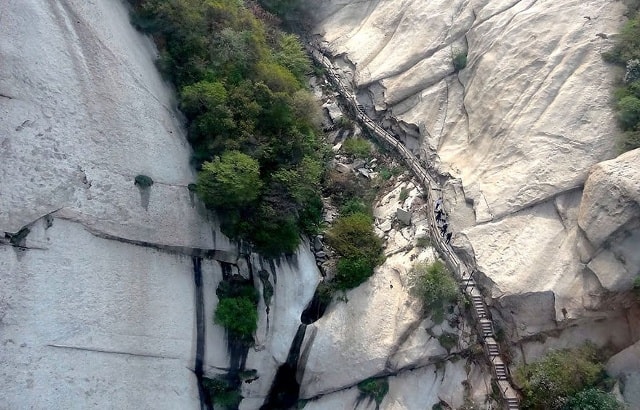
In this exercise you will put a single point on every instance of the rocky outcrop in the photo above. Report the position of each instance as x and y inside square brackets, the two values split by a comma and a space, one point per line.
[610, 218]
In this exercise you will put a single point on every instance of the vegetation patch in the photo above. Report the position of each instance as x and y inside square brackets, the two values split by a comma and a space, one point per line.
[559, 378]
[359, 248]
[626, 53]
[223, 394]
[423, 241]
[636, 287]
[435, 286]
[253, 125]
[143, 181]
[404, 194]
[459, 60]
[236, 309]
[448, 340]
[374, 388]
[357, 147]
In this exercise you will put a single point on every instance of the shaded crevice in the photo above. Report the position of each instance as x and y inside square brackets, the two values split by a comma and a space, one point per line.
[205, 400]
[316, 307]
[285, 390]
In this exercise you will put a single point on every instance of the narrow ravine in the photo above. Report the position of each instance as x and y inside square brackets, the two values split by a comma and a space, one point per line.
[285, 390]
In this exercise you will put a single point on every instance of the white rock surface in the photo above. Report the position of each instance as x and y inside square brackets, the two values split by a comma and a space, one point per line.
[85, 111]
[294, 280]
[519, 129]
[122, 317]
[610, 218]
[379, 329]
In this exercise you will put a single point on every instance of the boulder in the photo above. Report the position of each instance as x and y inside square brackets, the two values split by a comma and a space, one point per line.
[403, 216]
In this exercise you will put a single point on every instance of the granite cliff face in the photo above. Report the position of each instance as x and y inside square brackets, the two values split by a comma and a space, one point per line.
[107, 289]
[524, 139]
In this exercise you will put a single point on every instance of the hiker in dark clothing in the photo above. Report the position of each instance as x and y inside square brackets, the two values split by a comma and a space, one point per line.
[448, 237]
[444, 228]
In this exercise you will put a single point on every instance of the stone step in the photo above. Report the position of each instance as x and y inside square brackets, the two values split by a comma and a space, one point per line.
[512, 403]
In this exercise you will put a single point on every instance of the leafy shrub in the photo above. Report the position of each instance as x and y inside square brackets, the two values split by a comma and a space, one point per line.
[627, 45]
[236, 310]
[375, 389]
[143, 181]
[550, 382]
[357, 147]
[404, 194]
[238, 316]
[222, 393]
[594, 399]
[360, 249]
[232, 180]
[352, 236]
[459, 60]
[354, 206]
[448, 340]
[423, 241]
[434, 285]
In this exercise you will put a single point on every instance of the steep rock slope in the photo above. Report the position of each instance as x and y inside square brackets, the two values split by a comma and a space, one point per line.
[107, 289]
[517, 131]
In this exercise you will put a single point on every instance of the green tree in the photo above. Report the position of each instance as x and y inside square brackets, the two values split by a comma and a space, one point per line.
[629, 112]
[238, 315]
[594, 399]
[231, 180]
[352, 236]
[550, 382]
[291, 55]
[434, 285]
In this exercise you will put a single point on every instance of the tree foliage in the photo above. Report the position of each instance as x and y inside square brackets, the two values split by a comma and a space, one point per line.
[230, 181]
[550, 382]
[253, 126]
[594, 399]
[434, 285]
[626, 52]
[236, 309]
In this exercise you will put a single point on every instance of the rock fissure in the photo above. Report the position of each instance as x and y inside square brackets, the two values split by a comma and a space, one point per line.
[117, 352]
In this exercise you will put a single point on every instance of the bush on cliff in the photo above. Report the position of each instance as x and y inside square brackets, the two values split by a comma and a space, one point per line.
[626, 53]
[551, 382]
[434, 285]
[241, 86]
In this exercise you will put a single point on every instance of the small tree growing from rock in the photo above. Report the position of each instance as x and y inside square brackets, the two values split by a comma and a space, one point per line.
[143, 181]
[459, 60]
[434, 285]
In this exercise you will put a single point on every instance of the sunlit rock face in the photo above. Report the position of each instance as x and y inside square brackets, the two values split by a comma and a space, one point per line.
[98, 290]
[518, 130]
[94, 309]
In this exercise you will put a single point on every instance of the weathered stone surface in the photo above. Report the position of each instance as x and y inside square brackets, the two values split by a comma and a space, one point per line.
[610, 218]
[611, 197]
[88, 112]
[91, 321]
[519, 129]
[403, 216]
[524, 120]
[294, 280]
